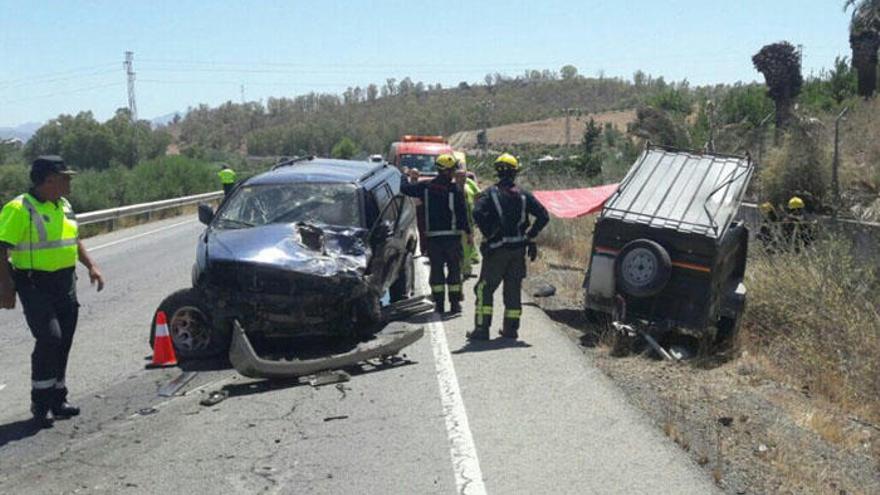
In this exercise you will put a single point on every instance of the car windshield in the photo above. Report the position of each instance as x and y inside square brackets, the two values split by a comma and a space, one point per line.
[422, 163]
[333, 204]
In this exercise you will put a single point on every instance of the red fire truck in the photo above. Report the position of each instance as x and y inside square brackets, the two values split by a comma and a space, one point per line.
[418, 152]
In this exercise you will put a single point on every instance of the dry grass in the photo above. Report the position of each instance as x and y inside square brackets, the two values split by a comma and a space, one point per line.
[813, 315]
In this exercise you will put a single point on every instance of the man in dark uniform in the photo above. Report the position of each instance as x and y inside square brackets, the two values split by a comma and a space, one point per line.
[446, 218]
[502, 214]
[39, 247]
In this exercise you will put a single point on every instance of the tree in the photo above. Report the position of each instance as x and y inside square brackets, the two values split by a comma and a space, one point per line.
[781, 65]
[345, 149]
[568, 72]
[864, 40]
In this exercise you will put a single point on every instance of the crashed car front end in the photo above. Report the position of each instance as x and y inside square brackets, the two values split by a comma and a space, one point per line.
[286, 279]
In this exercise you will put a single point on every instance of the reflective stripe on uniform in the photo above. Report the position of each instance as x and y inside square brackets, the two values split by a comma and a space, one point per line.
[437, 233]
[43, 384]
[485, 310]
[438, 289]
[36, 218]
[519, 226]
[513, 313]
[60, 384]
[25, 246]
[454, 287]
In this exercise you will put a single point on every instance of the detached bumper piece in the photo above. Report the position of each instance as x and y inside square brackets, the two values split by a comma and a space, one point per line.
[387, 342]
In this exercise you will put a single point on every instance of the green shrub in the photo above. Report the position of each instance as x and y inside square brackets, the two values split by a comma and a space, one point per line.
[800, 167]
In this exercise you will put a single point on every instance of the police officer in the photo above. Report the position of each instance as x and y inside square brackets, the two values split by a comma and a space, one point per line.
[445, 215]
[502, 214]
[39, 236]
[227, 178]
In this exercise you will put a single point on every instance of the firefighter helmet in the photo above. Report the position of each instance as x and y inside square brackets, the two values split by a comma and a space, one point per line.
[506, 162]
[445, 162]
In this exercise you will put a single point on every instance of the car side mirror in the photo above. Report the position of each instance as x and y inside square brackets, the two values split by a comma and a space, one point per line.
[206, 213]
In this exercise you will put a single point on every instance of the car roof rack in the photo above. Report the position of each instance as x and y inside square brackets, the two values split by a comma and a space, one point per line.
[286, 162]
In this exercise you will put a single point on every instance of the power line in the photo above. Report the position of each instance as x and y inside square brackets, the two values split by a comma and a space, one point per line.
[72, 91]
[9, 86]
[40, 77]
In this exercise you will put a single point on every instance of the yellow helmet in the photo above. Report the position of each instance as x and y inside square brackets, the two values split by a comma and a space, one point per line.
[445, 162]
[506, 162]
[766, 207]
[795, 203]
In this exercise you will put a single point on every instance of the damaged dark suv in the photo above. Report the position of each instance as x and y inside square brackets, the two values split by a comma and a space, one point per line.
[312, 247]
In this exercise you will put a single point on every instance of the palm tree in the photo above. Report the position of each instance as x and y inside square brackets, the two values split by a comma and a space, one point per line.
[781, 65]
[864, 39]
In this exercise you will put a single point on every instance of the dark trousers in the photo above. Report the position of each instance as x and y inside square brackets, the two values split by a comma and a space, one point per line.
[51, 311]
[445, 254]
[506, 265]
[227, 188]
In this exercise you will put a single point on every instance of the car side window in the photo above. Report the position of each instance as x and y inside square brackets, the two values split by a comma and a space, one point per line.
[382, 195]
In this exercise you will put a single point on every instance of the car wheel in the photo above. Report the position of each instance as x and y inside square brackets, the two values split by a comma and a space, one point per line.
[190, 327]
[642, 268]
[402, 288]
[728, 329]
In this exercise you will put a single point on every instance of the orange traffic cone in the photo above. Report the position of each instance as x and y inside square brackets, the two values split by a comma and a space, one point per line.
[163, 348]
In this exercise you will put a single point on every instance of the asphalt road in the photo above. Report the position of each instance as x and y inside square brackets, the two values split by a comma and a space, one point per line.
[530, 417]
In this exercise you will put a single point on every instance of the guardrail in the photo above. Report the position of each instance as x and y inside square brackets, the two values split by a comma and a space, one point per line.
[126, 211]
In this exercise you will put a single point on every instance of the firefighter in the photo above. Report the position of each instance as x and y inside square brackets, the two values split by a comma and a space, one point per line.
[471, 191]
[445, 216]
[39, 234]
[768, 233]
[798, 231]
[502, 214]
[227, 178]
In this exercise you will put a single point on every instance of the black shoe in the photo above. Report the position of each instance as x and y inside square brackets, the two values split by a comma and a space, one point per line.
[41, 416]
[478, 334]
[455, 307]
[509, 334]
[65, 410]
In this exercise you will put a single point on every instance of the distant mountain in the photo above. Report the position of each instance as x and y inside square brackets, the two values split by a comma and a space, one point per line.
[23, 131]
[165, 119]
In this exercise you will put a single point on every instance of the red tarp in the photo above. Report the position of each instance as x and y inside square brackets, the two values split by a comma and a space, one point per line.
[573, 203]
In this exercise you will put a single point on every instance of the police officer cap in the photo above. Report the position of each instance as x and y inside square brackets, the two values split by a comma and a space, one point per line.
[46, 165]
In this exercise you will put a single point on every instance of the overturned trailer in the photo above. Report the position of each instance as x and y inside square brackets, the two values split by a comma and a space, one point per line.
[667, 256]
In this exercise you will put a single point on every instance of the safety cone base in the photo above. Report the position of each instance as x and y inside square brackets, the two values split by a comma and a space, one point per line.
[163, 347]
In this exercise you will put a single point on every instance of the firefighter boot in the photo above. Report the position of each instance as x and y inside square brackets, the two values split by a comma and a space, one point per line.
[40, 407]
[61, 409]
[510, 330]
[478, 333]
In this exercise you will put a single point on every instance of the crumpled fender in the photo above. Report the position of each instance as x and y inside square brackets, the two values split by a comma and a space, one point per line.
[387, 342]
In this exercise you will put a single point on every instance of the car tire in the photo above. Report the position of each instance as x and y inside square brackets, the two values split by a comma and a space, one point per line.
[402, 288]
[642, 269]
[189, 324]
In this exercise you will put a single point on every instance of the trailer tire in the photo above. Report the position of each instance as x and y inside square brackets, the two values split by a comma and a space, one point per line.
[642, 269]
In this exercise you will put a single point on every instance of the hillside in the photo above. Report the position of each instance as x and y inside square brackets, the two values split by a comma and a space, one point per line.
[547, 131]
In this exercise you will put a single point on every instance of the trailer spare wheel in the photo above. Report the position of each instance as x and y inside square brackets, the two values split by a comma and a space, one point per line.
[642, 268]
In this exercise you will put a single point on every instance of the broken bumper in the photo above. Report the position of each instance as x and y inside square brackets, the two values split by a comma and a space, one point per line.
[387, 342]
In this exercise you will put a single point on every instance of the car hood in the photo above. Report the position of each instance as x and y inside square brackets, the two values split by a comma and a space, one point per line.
[319, 250]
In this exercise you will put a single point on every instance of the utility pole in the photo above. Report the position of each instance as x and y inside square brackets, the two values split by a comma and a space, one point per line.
[132, 105]
[483, 135]
[129, 72]
[568, 113]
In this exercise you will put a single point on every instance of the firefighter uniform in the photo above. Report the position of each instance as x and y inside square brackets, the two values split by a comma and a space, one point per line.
[227, 178]
[502, 215]
[445, 216]
[41, 237]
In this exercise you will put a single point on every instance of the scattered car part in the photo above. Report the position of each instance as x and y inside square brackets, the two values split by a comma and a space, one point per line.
[544, 290]
[174, 386]
[389, 341]
[328, 378]
[214, 398]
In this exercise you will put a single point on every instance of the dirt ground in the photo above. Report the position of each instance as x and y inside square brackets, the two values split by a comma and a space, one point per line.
[752, 433]
[548, 131]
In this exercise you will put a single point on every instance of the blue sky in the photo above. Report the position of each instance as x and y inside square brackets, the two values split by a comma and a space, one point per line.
[64, 57]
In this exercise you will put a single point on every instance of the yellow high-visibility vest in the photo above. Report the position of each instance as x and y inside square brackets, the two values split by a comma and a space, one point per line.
[43, 235]
[227, 176]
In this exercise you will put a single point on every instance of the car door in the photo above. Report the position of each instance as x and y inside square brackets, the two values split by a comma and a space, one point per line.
[385, 239]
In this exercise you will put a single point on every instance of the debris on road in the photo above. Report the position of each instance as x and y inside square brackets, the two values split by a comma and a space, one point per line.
[214, 398]
[544, 290]
[328, 378]
[174, 386]
[147, 411]
[334, 418]
[387, 342]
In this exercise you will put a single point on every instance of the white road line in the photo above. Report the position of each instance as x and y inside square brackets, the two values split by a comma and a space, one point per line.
[2, 386]
[102, 246]
[468, 475]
